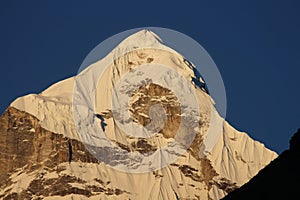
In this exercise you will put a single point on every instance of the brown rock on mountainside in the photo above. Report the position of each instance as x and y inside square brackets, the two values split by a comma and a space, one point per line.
[27, 147]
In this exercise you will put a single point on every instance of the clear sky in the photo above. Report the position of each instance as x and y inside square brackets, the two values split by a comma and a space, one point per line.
[255, 45]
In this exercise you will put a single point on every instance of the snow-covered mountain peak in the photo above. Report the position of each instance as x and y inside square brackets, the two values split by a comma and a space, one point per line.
[141, 38]
[217, 160]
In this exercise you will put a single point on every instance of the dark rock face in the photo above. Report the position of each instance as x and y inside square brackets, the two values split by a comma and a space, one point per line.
[25, 144]
[278, 180]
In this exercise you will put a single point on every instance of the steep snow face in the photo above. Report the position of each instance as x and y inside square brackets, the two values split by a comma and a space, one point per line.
[53, 107]
[219, 155]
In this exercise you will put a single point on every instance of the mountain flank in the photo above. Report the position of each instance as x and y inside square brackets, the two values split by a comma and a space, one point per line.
[278, 180]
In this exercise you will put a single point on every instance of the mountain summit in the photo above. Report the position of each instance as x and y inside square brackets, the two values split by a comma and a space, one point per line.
[49, 153]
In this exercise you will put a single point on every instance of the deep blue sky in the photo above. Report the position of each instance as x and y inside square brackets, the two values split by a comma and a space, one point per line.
[255, 45]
